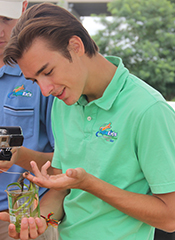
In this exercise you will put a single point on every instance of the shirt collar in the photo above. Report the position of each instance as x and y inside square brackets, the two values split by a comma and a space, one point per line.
[12, 71]
[113, 89]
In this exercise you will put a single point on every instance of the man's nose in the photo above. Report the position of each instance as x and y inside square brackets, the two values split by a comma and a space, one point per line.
[46, 89]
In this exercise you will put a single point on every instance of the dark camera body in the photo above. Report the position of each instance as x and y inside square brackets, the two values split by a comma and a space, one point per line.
[9, 137]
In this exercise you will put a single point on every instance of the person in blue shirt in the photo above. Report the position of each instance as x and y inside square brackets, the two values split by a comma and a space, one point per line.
[22, 105]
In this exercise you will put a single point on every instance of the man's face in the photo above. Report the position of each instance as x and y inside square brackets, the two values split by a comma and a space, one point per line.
[54, 73]
[6, 26]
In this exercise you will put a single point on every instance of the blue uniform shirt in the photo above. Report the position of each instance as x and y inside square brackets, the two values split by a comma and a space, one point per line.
[22, 104]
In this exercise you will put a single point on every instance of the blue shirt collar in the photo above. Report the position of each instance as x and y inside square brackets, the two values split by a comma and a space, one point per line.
[13, 71]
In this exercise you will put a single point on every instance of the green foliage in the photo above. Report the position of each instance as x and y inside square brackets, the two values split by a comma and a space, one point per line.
[142, 33]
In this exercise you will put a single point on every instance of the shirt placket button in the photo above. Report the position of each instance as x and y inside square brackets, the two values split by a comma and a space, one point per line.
[89, 118]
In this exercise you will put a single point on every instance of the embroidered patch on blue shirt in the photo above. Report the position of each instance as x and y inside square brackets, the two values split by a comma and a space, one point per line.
[19, 91]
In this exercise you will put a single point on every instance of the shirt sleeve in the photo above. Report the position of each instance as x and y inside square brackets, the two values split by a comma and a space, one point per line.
[156, 147]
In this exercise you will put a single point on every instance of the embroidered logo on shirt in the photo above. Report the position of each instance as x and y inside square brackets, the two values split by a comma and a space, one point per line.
[19, 91]
[106, 132]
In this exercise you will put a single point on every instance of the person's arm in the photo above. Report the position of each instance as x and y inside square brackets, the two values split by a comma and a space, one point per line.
[54, 205]
[23, 156]
[157, 210]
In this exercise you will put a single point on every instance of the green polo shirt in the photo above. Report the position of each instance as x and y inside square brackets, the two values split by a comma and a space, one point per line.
[126, 138]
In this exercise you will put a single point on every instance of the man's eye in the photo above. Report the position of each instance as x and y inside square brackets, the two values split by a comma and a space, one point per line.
[7, 19]
[46, 74]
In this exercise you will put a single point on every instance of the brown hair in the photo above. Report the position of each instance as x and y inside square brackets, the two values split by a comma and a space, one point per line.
[52, 23]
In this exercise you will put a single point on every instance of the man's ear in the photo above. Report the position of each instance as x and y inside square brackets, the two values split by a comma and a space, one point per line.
[25, 3]
[76, 45]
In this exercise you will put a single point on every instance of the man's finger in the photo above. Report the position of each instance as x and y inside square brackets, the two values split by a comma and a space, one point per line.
[45, 167]
[24, 233]
[32, 228]
[41, 224]
[5, 165]
[35, 169]
[4, 216]
[12, 231]
[28, 176]
[71, 173]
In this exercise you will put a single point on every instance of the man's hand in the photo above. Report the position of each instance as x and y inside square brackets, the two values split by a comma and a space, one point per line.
[73, 178]
[5, 165]
[30, 227]
[22, 157]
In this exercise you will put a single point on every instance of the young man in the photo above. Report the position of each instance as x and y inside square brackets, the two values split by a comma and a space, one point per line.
[22, 105]
[114, 138]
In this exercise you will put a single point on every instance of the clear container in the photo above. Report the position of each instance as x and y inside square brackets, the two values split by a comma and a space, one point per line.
[22, 204]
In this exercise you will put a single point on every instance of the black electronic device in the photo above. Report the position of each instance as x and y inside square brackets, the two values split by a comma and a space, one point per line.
[9, 137]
